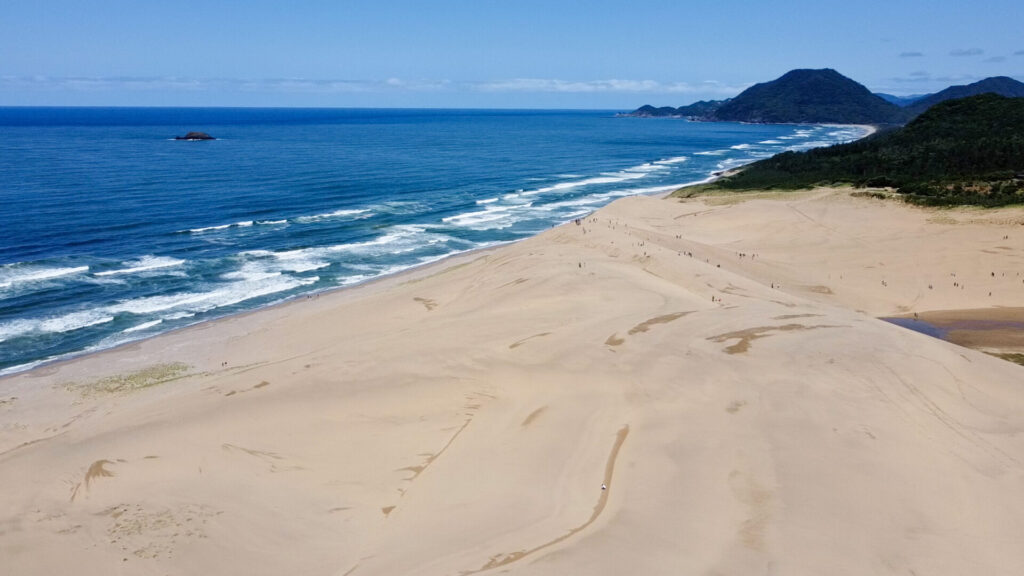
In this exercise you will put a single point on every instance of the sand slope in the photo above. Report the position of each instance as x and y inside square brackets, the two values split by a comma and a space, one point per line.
[748, 415]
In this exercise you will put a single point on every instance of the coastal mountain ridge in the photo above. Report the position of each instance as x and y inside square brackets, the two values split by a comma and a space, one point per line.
[962, 151]
[901, 101]
[809, 96]
[821, 96]
[700, 109]
[1001, 85]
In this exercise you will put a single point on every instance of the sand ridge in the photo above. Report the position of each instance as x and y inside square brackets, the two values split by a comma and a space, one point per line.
[717, 366]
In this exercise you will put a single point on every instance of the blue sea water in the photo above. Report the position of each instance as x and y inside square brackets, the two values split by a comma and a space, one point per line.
[111, 230]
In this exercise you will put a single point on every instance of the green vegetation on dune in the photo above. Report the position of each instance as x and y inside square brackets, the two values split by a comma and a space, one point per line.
[966, 151]
[133, 381]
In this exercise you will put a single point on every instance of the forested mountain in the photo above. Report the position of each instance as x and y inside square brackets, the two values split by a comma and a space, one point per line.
[964, 151]
[1002, 85]
[697, 110]
[901, 101]
[806, 96]
[816, 96]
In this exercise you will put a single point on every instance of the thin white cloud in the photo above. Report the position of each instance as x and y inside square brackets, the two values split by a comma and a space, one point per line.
[995, 59]
[967, 52]
[923, 77]
[286, 85]
[100, 84]
[911, 54]
[337, 86]
[613, 85]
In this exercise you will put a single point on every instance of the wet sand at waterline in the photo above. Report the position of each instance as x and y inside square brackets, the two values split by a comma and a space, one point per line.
[667, 387]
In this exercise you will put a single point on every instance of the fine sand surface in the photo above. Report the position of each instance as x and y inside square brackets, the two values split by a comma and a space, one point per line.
[746, 415]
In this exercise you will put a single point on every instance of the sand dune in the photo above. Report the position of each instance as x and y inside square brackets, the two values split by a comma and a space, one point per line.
[716, 364]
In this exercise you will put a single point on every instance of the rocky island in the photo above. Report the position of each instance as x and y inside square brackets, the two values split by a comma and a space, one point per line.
[195, 136]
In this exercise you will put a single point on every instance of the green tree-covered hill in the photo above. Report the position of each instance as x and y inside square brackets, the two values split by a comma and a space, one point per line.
[1002, 85]
[804, 96]
[965, 151]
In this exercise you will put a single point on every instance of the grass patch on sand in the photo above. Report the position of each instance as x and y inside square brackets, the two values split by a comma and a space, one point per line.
[691, 191]
[132, 381]
[1011, 357]
[717, 197]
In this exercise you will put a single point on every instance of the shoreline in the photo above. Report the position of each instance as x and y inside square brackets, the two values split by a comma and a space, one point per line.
[667, 191]
[447, 260]
[718, 174]
[439, 266]
[668, 383]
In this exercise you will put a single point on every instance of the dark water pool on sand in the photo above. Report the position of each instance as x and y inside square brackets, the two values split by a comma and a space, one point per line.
[970, 332]
[919, 326]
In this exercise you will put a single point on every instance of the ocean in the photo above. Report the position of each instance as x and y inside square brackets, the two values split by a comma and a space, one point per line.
[112, 231]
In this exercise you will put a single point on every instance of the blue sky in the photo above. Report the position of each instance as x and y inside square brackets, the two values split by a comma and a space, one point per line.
[484, 54]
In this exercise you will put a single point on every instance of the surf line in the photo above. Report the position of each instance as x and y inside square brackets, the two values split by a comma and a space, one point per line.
[609, 468]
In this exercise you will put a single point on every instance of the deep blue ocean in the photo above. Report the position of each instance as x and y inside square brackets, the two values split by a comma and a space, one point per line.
[111, 230]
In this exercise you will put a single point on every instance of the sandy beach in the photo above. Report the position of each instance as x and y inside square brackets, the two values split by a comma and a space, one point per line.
[667, 387]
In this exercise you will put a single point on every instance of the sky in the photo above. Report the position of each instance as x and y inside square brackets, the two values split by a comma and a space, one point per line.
[485, 53]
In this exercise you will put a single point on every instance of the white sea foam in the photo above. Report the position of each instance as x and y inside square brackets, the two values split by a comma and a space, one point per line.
[145, 264]
[740, 147]
[271, 222]
[710, 178]
[355, 279]
[576, 214]
[640, 191]
[357, 212]
[208, 229]
[142, 326]
[488, 200]
[246, 286]
[676, 160]
[14, 274]
[770, 142]
[397, 239]
[643, 168]
[489, 214]
[810, 144]
[53, 324]
[26, 366]
[712, 153]
[241, 224]
[493, 218]
[606, 178]
[574, 203]
[154, 304]
[732, 163]
[299, 261]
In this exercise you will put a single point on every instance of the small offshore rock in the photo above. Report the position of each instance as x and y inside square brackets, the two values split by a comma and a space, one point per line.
[195, 136]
